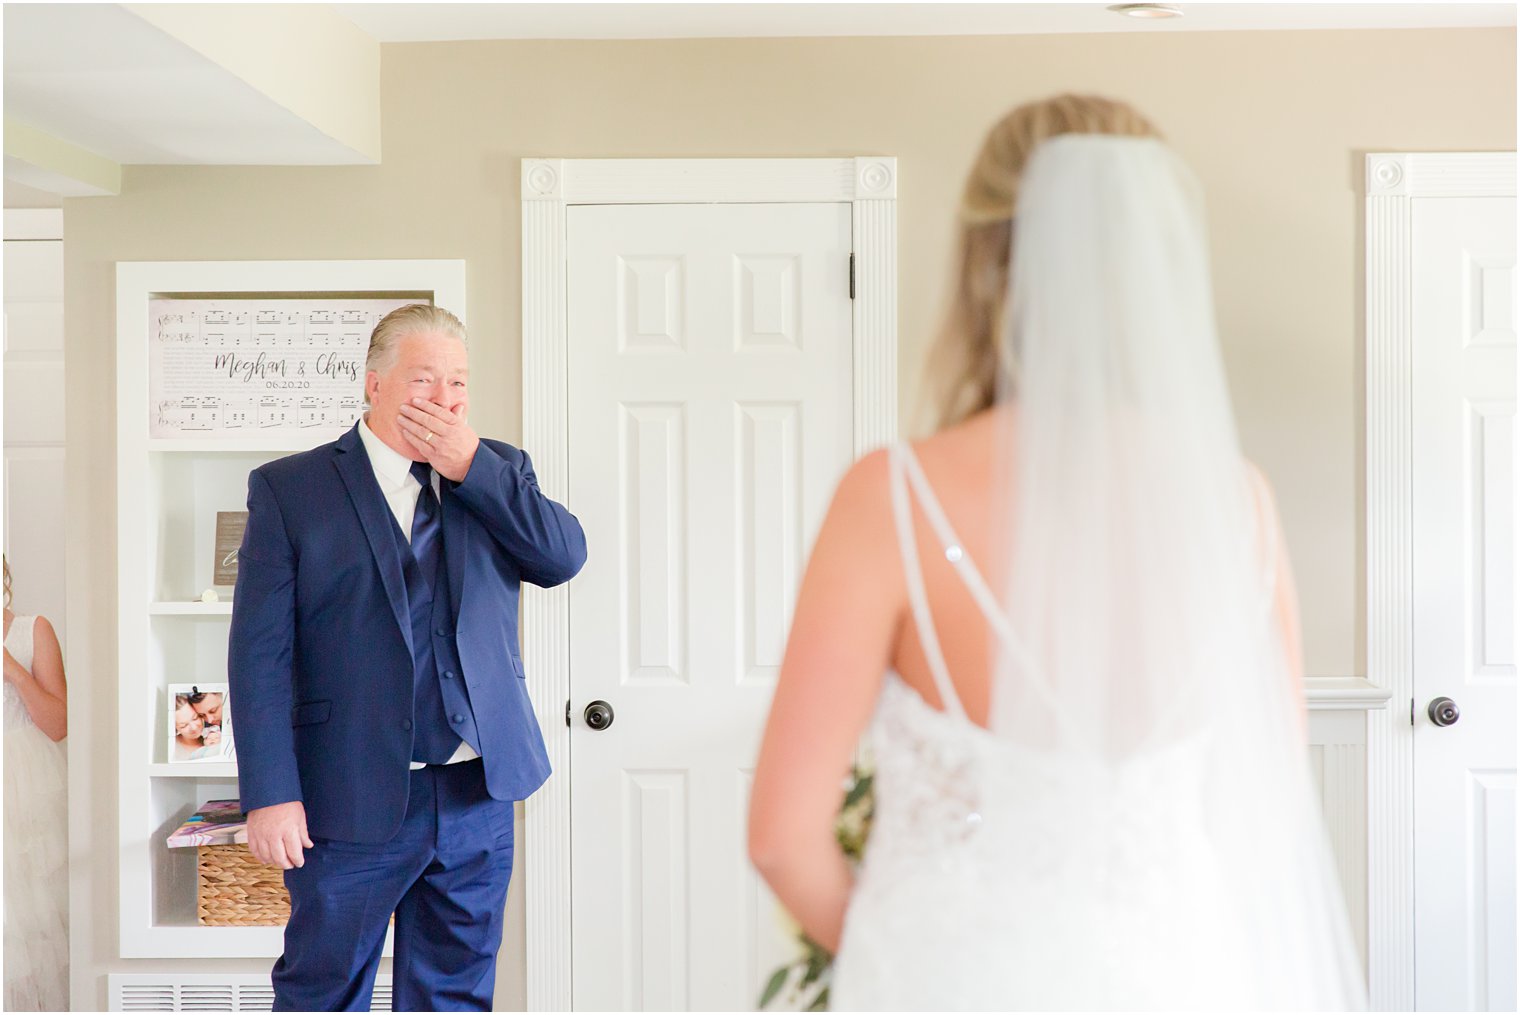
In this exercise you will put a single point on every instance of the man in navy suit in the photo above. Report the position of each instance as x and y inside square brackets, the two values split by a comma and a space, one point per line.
[383, 724]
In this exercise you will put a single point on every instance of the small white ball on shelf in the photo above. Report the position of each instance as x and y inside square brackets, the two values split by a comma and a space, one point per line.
[210, 596]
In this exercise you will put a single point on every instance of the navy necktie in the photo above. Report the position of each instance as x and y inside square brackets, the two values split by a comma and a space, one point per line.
[426, 526]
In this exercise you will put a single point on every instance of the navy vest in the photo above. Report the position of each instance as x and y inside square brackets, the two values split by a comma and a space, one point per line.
[441, 712]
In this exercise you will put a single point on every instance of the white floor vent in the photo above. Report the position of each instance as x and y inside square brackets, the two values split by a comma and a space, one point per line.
[209, 992]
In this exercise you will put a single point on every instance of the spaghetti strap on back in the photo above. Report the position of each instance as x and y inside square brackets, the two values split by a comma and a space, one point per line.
[906, 474]
[918, 598]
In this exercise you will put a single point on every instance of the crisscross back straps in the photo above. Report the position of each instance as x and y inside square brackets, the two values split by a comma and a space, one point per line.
[906, 470]
[918, 597]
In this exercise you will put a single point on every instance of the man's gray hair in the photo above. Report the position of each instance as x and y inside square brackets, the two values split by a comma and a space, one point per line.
[412, 319]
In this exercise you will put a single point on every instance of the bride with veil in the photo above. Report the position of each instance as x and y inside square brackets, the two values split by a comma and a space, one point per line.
[1066, 625]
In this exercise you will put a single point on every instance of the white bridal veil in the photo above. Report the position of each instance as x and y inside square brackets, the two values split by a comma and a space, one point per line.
[1144, 552]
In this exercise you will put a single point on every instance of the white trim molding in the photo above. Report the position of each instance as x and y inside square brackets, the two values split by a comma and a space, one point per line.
[1393, 181]
[1344, 694]
[549, 187]
[700, 181]
[34, 223]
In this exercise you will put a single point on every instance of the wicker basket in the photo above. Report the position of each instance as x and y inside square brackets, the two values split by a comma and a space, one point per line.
[232, 889]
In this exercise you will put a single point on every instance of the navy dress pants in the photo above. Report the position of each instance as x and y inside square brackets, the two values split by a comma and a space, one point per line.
[444, 876]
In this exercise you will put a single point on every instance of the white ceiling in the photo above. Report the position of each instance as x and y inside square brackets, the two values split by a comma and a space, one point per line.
[98, 76]
[439, 22]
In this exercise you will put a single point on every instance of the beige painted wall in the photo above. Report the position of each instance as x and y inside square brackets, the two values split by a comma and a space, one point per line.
[19, 195]
[1274, 123]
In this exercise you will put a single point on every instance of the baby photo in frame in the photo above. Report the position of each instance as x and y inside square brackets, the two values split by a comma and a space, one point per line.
[200, 723]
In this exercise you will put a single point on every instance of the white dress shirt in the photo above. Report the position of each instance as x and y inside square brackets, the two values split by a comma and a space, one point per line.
[393, 471]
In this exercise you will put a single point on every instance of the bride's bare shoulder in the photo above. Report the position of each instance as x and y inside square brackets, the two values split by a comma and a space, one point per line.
[1262, 495]
[863, 495]
[863, 485]
[968, 443]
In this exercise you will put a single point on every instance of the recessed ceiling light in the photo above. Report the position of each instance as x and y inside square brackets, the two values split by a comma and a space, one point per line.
[1151, 11]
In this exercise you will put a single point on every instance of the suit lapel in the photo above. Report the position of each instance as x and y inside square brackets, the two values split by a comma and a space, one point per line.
[374, 515]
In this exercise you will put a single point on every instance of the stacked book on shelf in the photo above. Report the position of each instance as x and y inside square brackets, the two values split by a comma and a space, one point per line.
[217, 823]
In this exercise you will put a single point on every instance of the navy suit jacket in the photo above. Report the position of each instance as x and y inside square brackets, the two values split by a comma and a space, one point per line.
[320, 659]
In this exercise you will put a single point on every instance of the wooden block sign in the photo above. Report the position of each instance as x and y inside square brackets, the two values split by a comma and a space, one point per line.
[229, 536]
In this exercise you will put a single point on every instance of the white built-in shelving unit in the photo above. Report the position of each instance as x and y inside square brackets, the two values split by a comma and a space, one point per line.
[168, 492]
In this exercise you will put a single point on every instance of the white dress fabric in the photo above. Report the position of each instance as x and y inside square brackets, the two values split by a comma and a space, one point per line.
[36, 851]
[996, 879]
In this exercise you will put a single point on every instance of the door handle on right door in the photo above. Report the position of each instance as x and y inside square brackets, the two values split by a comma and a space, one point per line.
[598, 715]
[1443, 712]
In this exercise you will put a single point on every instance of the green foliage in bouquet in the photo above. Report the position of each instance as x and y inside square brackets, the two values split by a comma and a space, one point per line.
[808, 973]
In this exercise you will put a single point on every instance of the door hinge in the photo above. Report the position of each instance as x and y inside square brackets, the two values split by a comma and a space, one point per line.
[567, 711]
[1411, 711]
[852, 276]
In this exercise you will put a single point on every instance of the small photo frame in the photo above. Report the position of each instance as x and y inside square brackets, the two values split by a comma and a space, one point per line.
[200, 723]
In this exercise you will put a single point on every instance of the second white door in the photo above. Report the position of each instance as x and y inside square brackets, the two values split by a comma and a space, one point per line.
[710, 417]
[1463, 315]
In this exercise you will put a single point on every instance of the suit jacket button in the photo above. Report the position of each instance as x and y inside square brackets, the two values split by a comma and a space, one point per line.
[448, 674]
[459, 718]
[406, 724]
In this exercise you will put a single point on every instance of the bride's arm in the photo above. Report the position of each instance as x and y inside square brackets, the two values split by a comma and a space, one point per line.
[42, 688]
[1284, 591]
[836, 656]
[1285, 609]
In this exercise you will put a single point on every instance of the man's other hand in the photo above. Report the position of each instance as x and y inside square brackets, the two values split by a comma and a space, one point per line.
[277, 834]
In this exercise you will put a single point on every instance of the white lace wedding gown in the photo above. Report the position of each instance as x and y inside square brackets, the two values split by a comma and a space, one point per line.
[36, 851]
[995, 876]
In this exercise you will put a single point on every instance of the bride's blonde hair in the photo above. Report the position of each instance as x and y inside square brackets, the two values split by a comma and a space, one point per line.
[968, 361]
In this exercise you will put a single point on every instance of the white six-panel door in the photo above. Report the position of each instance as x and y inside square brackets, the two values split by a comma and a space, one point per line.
[1464, 588]
[710, 413]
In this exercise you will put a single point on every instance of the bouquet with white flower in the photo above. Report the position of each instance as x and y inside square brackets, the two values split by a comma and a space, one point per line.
[808, 973]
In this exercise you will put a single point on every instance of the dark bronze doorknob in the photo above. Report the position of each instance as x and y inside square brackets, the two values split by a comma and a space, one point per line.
[1443, 712]
[598, 715]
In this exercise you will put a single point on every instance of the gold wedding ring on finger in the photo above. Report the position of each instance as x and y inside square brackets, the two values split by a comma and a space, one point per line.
[429, 437]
